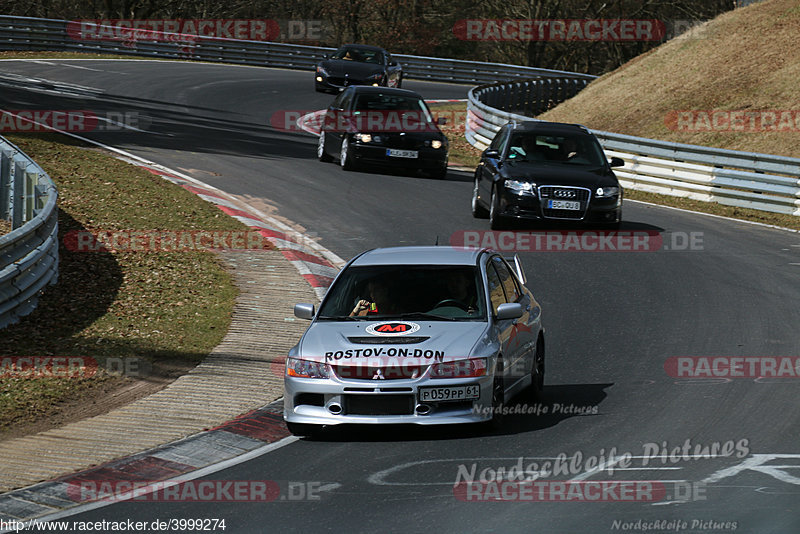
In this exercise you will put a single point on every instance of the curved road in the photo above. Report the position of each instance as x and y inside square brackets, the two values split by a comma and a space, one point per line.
[613, 320]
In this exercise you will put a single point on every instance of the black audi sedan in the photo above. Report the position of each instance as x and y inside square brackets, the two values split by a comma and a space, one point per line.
[355, 64]
[385, 127]
[546, 171]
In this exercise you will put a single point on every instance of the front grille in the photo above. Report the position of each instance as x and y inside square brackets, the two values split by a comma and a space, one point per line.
[405, 142]
[389, 372]
[378, 404]
[555, 192]
[390, 340]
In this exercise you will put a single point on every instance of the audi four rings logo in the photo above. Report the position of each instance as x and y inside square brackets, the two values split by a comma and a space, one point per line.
[564, 193]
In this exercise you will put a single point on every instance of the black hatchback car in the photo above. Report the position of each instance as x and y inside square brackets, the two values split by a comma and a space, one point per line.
[353, 64]
[546, 171]
[383, 127]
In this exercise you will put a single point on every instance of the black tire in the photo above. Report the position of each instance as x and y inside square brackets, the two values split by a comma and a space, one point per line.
[478, 211]
[321, 154]
[303, 430]
[496, 221]
[441, 174]
[537, 371]
[345, 161]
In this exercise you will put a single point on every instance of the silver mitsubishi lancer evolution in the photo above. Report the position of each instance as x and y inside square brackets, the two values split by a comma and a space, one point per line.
[425, 335]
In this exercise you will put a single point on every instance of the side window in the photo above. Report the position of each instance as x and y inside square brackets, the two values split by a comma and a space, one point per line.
[499, 141]
[496, 293]
[507, 279]
[347, 98]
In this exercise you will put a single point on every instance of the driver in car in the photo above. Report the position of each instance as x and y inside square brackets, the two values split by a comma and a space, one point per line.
[461, 289]
[377, 302]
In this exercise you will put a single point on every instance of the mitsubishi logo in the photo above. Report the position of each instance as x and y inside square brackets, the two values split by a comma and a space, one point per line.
[564, 193]
[378, 375]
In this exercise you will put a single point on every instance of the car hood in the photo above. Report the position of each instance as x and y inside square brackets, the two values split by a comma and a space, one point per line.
[340, 67]
[557, 174]
[381, 342]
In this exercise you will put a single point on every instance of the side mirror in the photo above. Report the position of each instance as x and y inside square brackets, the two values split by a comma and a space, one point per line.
[616, 162]
[491, 153]
[304, 311]
[509, 310]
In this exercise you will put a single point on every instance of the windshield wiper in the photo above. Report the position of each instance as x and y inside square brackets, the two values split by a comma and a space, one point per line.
[419, 315]
[342, 318]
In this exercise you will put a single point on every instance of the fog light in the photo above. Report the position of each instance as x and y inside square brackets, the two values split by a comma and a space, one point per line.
[319, 78]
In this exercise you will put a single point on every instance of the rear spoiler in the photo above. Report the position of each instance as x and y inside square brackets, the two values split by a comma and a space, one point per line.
[516, 264]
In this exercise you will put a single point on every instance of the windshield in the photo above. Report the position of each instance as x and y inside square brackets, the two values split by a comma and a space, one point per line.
[414, 107]
[392, 291]
[579, 150]
[364, 55]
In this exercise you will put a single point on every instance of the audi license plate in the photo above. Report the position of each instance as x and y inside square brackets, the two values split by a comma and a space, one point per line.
[563, 205]
[451, 393]
[396, 153]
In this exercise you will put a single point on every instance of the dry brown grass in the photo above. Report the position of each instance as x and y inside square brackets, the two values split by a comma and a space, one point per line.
[746, 59]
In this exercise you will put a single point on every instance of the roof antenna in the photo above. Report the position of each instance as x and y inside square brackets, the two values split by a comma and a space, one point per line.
[437, 241]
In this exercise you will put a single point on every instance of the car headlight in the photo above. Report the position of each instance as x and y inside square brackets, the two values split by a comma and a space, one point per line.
[436, 144]
[321, 70]
[364, 138]
[459, 368]
[377, 76]
[520, 187]
[306, 369]
[611, 191]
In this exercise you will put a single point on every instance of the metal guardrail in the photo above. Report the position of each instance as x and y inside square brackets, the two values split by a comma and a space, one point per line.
[25, 33]
[29, 253]
[744, 179]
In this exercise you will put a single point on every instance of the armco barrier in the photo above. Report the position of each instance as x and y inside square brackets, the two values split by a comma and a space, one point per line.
[745, 179]
[29, 253]
[24, 33]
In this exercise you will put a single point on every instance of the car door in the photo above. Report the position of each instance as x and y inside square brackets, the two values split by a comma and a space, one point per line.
[490, 165]
[521, 332]
[503, 328]
[335, 118]
[392, 70]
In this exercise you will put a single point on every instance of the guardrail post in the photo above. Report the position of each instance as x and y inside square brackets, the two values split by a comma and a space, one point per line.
[5, 185]
[31, 182]
[17, 195]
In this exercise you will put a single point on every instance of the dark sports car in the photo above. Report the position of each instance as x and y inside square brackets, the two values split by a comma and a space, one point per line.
[546, 171]
[383, 127]
[358, 65]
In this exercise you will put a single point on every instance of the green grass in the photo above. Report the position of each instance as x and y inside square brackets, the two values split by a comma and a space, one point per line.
[171, 307]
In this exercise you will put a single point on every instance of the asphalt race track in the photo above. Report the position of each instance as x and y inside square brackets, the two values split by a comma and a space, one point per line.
[613, 320]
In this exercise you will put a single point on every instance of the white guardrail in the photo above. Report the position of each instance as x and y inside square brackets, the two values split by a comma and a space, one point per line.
[744, 179]
[29, 253]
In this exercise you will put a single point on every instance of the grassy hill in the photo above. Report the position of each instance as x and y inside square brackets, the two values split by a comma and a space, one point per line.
[746, 60]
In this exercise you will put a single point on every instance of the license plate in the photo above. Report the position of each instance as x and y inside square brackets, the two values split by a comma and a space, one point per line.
[395, 153]
[563, 205]
[451, 393]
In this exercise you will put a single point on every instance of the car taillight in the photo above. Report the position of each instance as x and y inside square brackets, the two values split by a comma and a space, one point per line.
[459, 369]
[306, 369]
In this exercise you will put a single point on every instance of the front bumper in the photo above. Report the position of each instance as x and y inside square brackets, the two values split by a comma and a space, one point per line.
[428, 158]
[314, 401]
[594, 210]
[339, 83]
